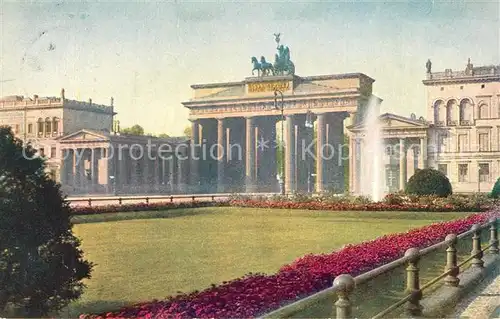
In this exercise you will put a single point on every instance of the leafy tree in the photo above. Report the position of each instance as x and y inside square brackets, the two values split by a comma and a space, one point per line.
[41, 264]
[429, 181]
[163, 135]
[187, 131]
[495, 192]
[134, 130]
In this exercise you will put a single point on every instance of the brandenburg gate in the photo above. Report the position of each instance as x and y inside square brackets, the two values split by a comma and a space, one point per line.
[238, 129]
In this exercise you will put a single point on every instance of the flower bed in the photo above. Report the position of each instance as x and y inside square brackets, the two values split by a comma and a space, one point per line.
[90, 210]
[348, 206]
[256, 294]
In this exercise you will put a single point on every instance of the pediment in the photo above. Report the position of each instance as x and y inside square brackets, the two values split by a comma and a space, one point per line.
[392, 121]
[84, 135]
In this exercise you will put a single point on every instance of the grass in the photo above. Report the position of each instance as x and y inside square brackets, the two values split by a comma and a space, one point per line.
[141, 256]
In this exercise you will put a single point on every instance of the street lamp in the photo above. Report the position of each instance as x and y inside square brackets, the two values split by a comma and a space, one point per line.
[479, 180]
[113, 184]
[282, 173]
[309, 125]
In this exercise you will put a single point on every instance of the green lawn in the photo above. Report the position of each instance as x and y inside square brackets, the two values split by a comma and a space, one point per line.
[142, 256]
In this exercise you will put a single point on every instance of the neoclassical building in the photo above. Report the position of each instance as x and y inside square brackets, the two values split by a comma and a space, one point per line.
[86, 152]
[270, 132]
[459, 136]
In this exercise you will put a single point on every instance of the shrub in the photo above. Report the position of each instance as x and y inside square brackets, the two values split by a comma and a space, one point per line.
[429, 182]
[495, 192]
[41, 265]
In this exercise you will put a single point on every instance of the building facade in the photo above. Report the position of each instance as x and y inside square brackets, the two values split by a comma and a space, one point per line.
[87, 154]
[460, 135]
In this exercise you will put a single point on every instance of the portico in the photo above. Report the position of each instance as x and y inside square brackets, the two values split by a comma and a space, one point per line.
[94, 162]
[405, 148]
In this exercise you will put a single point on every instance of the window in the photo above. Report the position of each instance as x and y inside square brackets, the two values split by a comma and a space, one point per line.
[40, 127]
[55, 127]
[482, 86]
[483, 142]
[30, 128]
[484, 172]
[443, 168]
[462, 143]
[53, 152]
[441, 143]
[442, 88]
[463, 172]
[483, 112]
[41, 151]
[16, 129]
[48, 126]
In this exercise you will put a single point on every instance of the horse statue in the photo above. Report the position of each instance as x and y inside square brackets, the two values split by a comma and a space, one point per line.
[256, 66]
[266, 67]
[282, 64]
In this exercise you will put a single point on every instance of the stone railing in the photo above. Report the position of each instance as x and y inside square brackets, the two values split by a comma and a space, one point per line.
[466, 122]
[476, 72]
[31, 103]
[436, 304]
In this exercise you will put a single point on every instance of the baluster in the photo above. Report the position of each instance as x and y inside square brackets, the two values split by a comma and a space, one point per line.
[451, 261]
[413, 307]
[345, 285]
[493, 236]
[147, 200]
[477, 261]
[90, 201]
[120, 200]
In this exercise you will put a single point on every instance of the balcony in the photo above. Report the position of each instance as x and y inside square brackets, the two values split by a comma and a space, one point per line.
[466, 123]
[440, 123]
[452, 123]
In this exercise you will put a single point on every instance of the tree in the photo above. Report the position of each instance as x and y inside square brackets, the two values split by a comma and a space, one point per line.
[163, 135]
[134, 130]
[41, 264]
[495, 192]
[187, 131]
[429, 181]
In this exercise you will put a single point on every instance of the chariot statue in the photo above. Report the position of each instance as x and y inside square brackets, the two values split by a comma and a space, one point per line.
[282, 63]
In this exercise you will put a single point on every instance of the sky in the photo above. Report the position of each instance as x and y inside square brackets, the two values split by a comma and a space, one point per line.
[146, 55]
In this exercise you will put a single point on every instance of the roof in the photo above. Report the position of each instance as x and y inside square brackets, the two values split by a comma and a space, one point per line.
[420, 122]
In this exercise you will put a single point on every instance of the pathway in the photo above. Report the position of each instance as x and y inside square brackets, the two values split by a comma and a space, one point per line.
[484, 304]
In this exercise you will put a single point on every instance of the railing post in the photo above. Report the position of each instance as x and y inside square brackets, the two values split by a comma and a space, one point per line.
[477, 261]
[90, 201]
[451, 261]
[413, 307]
[213, 198]
[193, 198]
[171, 199]
[147, 200]
[120, 201]
[493, 236]
[345, 285]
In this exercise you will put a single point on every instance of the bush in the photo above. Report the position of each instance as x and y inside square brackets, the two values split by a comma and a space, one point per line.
[495, 192]
[429, 182]
[41, 265]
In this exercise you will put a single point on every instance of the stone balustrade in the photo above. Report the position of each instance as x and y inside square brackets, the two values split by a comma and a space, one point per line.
[455, 284]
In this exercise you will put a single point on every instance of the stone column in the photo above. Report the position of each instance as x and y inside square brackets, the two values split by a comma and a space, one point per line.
[80, 168]
[157, 171]
[320, 142]
[123, 170]
[352, 164]
[422, 161]
[290, 154]
[181, 172]
[94, 167]
[145, 180]
[250, 155]
[402, 164]
[221, 155]
[194, 178]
